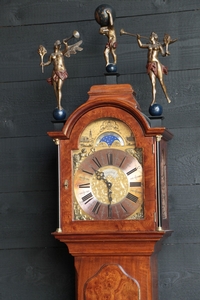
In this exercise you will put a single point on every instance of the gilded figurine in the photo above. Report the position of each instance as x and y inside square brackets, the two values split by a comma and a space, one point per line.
[105, 16]
[59, 73]
[154, 67]
[111, 45]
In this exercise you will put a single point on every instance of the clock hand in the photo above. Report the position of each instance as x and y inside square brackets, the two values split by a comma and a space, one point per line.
[109, 185]
[101, 175]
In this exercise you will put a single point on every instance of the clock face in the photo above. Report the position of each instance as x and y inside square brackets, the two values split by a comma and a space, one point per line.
[108, 175]
[108, 185]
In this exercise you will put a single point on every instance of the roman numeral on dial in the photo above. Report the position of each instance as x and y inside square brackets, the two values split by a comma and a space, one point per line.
[132, 197]
[84, 186]
[96, 208]
[122, 161]
[135, 184]
[96, 161]
[124, 209]
[131, 171]
[85, 171]
[110, 158]
[87, 198]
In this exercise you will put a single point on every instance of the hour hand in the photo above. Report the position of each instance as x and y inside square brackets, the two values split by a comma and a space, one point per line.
[99, 175]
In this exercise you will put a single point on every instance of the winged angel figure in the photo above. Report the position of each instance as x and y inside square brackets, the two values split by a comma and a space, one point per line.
[59, 73]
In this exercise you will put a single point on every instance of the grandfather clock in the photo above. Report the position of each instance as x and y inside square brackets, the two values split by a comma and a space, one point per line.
[113, 206]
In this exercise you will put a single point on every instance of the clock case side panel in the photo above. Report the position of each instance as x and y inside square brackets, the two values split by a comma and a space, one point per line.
[164, 185]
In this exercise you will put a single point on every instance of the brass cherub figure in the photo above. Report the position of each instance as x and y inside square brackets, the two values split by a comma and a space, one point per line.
[59, 73]
[154, 67]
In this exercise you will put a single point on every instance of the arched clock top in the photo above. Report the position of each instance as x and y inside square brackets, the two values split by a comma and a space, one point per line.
[109, 101]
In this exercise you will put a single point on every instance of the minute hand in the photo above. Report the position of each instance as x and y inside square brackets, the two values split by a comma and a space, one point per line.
[109, 185]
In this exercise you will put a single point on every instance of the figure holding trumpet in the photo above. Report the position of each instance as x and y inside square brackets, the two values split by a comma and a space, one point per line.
[154, 68]
[59, 73]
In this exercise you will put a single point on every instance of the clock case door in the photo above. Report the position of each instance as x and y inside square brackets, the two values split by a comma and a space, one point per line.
[115, 101]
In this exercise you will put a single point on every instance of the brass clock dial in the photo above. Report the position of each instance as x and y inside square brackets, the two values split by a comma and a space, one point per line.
[108, 185]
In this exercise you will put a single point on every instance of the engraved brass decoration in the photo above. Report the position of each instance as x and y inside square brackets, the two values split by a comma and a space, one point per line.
[119, 182]
[109, 141]
[90, 140]
[163, 176]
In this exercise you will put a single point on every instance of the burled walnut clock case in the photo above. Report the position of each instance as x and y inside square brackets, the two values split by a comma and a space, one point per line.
[113, 195]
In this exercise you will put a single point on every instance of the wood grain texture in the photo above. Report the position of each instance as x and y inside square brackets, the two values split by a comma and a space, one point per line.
[28, 164]
[121, 241]
[90, 61]
[28, 180]
[36, 103]
[25, 12]
[112, 282]
[179, 271]
[183, 157]
[184, 211]
[36, 273]
[137, 268]
[32, 102]
[19, 212]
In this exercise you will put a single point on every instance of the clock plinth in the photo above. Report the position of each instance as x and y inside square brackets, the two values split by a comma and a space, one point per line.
[113, 204]
[134, 254]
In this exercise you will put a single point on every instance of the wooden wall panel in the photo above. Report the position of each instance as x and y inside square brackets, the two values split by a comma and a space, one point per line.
[184, 214]
[28, 164]
[36, 273]
[33, 264]
[22, 12]
[29, 103]
[183, 157]
[90, 62]
[179, 271]
[28, 218]
[32, 102]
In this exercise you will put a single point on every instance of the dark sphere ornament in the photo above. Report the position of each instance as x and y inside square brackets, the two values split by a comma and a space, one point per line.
[59, 114]
[101, 15]
[111, 68]
[155, 110]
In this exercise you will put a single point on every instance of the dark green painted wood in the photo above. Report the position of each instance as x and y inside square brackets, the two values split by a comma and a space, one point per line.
[28, 218]
[23, 12]
[183, 157]
[27, 103]
[28, 164]
[179, 272]
[36, 273]
[90, 62]
[33, 264]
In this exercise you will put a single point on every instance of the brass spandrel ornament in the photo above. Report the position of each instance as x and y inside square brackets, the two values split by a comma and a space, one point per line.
[154, 68]
[108, 174]
[59, 73]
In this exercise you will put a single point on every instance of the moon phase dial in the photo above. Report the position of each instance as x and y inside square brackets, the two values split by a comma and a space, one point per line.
[109, 185]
